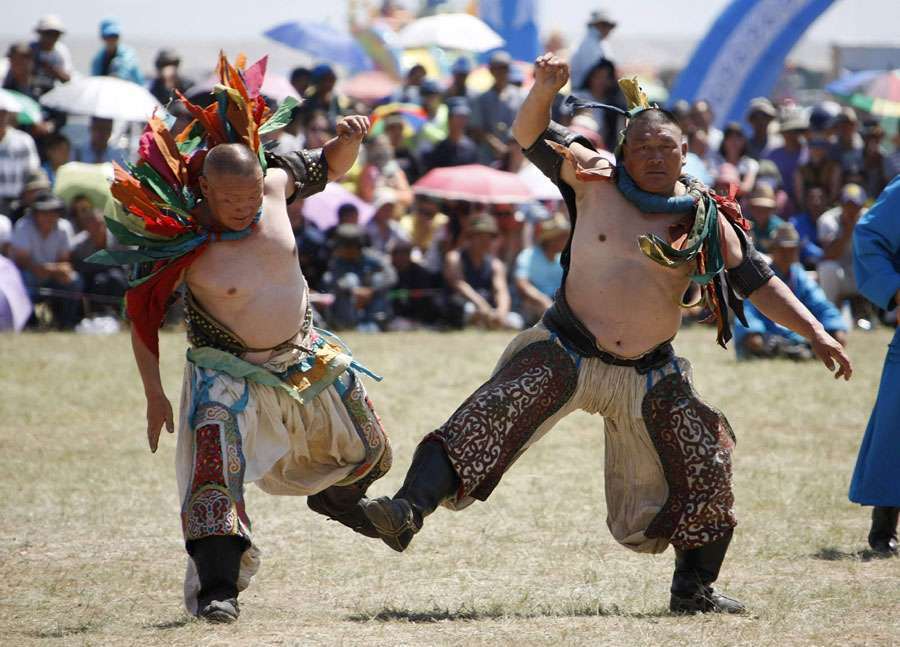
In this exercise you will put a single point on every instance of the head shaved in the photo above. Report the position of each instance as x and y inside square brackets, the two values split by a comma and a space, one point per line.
[655, 116]
[231, 159]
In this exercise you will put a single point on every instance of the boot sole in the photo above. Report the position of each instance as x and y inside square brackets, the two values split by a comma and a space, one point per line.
[381, 518]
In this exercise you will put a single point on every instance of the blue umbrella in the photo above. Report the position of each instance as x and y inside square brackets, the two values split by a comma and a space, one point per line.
[849, 83]
[323, 41]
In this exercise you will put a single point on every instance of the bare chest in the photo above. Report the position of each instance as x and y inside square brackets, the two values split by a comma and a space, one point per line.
[236, 269]
[610, 227]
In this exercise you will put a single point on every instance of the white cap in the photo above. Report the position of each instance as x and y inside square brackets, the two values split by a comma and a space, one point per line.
[50, 22]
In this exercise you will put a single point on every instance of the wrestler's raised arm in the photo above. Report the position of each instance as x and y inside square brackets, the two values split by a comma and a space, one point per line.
[342, 150]
[159, 409]
[533, 117]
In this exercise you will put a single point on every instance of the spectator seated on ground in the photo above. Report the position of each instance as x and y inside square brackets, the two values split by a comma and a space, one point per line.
[116, 58]
[312, 247]
[733, 151]
[805, 224]
[52, 60]
[418, 299]
[760, 116]
[422, 228]
[480, 293]
[18, 156]
[818, 170]
[104, 284]
[764, 338]
[835, 232]
[55, 150]
[847, 149]
[457, 149]
[42, 249]
[359, 278]
[168, 78]
[347, 213]
[382, 170]
[791, 154]
[495, 110]
[761, 207]
[538, 271]
[384, 228]
[36, 181]
[510, 239]
[395, 128]
[98, 149]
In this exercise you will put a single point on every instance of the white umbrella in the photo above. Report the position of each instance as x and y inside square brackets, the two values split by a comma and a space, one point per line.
[452, 31]
[103, 96]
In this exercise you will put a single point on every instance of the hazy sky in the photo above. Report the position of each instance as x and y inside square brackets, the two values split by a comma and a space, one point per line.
[846, 22]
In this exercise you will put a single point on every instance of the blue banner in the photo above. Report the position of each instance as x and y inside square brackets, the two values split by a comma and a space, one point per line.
[516, 22]
[743, 54]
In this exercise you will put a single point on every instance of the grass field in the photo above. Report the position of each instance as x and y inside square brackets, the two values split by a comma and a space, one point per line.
[92, 551]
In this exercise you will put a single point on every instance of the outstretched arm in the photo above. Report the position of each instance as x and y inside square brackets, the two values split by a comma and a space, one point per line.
[778, 303]
[341, 151]
[775, 300]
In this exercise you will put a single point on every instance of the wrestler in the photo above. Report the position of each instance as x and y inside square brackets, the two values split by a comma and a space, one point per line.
[266, 398]
[641, 233]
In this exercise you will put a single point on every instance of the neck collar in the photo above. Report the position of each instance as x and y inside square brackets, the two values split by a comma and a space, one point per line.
[654, 203]
[215, 235]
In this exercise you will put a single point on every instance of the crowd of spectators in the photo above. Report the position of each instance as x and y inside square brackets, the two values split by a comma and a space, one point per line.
[803, 178]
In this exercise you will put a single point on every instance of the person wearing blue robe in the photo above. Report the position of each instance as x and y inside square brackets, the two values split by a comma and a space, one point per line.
[876, 479]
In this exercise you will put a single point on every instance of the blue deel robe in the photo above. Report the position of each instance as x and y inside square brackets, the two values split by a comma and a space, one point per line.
[808, 293]
[876, 259]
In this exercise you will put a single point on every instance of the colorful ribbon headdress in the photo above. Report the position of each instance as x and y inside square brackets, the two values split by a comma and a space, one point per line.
[160, 193]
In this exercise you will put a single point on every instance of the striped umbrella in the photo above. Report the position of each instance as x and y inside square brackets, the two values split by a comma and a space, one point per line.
[412, 113]
[875, 91]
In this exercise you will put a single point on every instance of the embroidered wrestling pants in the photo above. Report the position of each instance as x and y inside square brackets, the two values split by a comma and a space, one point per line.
[668, 454]
[235, 431]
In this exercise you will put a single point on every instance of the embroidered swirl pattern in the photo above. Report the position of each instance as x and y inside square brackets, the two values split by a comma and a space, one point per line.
[487, 431]
[695, 443]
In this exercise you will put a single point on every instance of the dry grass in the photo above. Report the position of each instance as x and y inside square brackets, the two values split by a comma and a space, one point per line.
[91, 551]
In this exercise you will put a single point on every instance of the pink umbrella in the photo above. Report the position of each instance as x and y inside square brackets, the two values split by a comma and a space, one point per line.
[274, 86]
[369, 87]
[474, 183]
[322, 207]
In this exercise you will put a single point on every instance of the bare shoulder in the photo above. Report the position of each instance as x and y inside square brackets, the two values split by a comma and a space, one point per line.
[277, 180]
[590, 160]
[583, 165]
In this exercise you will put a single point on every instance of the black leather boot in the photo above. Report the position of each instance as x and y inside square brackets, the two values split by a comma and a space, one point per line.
[695, 571]
[344, 504]
[883, 534]
[218, 562]
[430, 479]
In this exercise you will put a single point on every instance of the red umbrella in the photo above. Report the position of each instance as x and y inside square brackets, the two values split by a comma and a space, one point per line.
[474, 183]
[369, 87]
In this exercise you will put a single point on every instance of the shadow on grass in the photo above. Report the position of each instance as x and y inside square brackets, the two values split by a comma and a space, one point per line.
[494, 613]
[835, 555]
[62, 632]
[171, 624]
